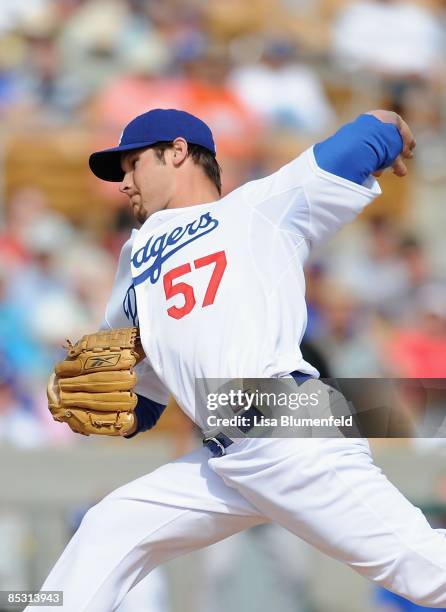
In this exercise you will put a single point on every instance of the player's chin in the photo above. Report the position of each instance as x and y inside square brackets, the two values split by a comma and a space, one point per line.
[141, 216]
[139, 212]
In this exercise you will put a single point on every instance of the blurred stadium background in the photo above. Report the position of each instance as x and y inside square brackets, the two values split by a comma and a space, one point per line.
[271, 77]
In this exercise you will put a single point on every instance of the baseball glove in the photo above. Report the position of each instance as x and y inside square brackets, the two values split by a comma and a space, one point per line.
[91, 389]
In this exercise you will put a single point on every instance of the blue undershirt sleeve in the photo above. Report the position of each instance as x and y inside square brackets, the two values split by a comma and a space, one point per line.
[359, 148]
[147, 413]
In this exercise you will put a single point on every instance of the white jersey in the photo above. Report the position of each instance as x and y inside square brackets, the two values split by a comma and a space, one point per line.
[218, 289]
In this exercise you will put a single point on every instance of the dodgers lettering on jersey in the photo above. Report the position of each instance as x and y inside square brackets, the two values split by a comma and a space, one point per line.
[158, 249]
[129, 306]
[219, 287]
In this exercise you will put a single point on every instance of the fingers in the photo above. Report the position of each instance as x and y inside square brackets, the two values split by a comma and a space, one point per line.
[399, 167]
[409, 142]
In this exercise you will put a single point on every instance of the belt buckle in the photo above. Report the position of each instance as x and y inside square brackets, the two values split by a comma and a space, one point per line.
[219, 445]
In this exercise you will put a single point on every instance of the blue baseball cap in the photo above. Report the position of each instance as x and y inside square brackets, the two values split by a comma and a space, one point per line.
[157, 125]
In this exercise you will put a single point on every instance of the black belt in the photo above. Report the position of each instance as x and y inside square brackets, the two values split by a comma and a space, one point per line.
[220, 442]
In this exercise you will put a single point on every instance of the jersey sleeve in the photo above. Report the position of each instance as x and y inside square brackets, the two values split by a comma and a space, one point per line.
[121, 308]
[149, 385]
[313, 202]
[121, 311]
[333, 201]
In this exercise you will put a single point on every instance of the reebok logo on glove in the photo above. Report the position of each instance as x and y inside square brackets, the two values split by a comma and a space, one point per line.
[100, 361]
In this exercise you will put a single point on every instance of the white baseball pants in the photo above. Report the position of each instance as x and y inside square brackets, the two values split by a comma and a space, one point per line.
[326, 491]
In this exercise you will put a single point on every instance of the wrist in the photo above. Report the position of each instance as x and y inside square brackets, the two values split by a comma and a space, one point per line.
[386, 116]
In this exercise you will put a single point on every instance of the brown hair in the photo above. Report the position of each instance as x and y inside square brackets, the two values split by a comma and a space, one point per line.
[200, 156]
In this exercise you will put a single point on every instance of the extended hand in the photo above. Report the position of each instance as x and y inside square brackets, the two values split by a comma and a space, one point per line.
[409, 143]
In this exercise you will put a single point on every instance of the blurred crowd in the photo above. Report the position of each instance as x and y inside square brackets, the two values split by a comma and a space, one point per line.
[270, 77]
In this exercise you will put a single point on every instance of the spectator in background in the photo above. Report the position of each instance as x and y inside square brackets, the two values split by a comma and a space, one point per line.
[418, 350]
[315, 279]
[14, 12]
[13, 252]
[89, 284]
[49, 309]
[204, 68]
[17, 347]
[47, 296]
[285, 92]
[389, 270]
[28, 214]
[12, 51]
[102, 40]
[413, 254]
[419, 274]
[18, 424]
[26, 277]
[377, 274]
[142, 85]
[66, 296]
[50, 93]
[346, 335]
[398, 42]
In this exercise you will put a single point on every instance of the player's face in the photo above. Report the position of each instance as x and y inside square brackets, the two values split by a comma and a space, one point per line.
[148, 182]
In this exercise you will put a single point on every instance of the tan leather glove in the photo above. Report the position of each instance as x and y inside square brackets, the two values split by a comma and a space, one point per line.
[92, 388]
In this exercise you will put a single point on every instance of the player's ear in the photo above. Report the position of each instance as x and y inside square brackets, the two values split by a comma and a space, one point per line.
[179, 151]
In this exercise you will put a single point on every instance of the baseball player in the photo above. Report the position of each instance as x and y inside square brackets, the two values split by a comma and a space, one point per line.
[216, 287]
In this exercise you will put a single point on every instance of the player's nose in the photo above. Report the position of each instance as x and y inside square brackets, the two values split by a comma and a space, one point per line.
[126, 184]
